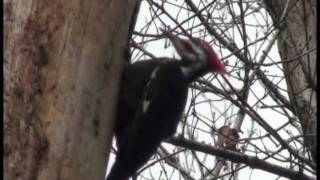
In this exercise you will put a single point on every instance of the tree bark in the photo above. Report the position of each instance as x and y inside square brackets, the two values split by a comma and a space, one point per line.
[297, 46]
[63, 61]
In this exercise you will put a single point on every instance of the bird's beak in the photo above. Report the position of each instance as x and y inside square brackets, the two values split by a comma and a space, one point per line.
[174, 39]
[167, 34]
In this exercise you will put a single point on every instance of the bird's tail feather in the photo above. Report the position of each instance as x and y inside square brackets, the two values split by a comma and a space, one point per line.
[117, 173]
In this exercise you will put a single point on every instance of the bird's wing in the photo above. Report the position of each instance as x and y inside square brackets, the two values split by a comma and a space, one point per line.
[147, 105]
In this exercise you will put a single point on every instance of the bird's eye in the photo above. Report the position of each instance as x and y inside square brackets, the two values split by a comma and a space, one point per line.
[188, 46]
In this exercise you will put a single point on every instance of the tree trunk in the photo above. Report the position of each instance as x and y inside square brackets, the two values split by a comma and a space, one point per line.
[297, 46]
[63, 61]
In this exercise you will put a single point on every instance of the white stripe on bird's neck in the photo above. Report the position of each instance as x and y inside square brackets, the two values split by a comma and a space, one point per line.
[191, 70]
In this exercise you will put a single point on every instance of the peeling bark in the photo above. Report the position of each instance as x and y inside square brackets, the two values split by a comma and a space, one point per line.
[63, 61]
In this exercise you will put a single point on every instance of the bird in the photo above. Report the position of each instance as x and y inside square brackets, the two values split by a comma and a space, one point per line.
[152, 97]
[228, 138]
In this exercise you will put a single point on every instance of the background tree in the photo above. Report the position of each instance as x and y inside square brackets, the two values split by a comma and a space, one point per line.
[253, 103]
[297, 41]
[62, 67]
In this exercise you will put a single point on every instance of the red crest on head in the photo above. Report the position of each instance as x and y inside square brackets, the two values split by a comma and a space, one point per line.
[216, 64]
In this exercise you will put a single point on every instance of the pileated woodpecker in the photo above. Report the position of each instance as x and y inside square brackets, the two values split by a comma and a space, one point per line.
[152, 98]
